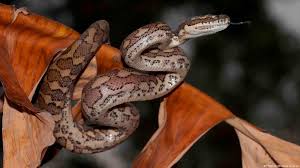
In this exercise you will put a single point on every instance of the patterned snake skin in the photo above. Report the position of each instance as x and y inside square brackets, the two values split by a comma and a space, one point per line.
[153, 48]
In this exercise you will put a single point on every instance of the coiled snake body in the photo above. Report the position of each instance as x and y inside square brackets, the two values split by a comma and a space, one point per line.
[153, 47]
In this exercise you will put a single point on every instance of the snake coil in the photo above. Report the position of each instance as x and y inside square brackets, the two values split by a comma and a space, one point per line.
[152, 48]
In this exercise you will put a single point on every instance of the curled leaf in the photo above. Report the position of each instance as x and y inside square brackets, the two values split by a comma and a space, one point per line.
[260, 149]
[108, 58]
[184, 117]
[25, 137]
[11, 86]
[28, 44]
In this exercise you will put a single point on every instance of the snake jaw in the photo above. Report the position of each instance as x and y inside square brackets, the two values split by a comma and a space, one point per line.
[202, 26]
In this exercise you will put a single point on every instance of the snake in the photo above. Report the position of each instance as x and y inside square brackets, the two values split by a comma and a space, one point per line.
[155, 66]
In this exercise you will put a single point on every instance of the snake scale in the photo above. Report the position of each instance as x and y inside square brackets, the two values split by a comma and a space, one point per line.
[152, 48]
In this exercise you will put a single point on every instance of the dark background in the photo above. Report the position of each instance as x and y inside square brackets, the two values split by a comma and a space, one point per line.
[253, 69]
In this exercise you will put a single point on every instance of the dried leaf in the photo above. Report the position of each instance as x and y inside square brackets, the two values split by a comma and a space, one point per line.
[25, 137]
[11, 86]
[31, 41]
[260, 149]
[28, 43]
[184, 117]
[108, 58]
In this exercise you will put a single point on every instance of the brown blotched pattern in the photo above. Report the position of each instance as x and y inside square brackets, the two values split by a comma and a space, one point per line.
[55, 96]
[104, 98]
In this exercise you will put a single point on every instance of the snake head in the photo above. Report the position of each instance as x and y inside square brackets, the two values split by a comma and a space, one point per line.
[202, 25]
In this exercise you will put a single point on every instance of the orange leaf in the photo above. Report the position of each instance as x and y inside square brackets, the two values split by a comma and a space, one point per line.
[28, 43]
[11, 86]
[25, 137]
[184, 117]
[260, 149]
[108, 58]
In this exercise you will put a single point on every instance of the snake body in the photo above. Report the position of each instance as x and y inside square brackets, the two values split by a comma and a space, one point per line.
[152, 48]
